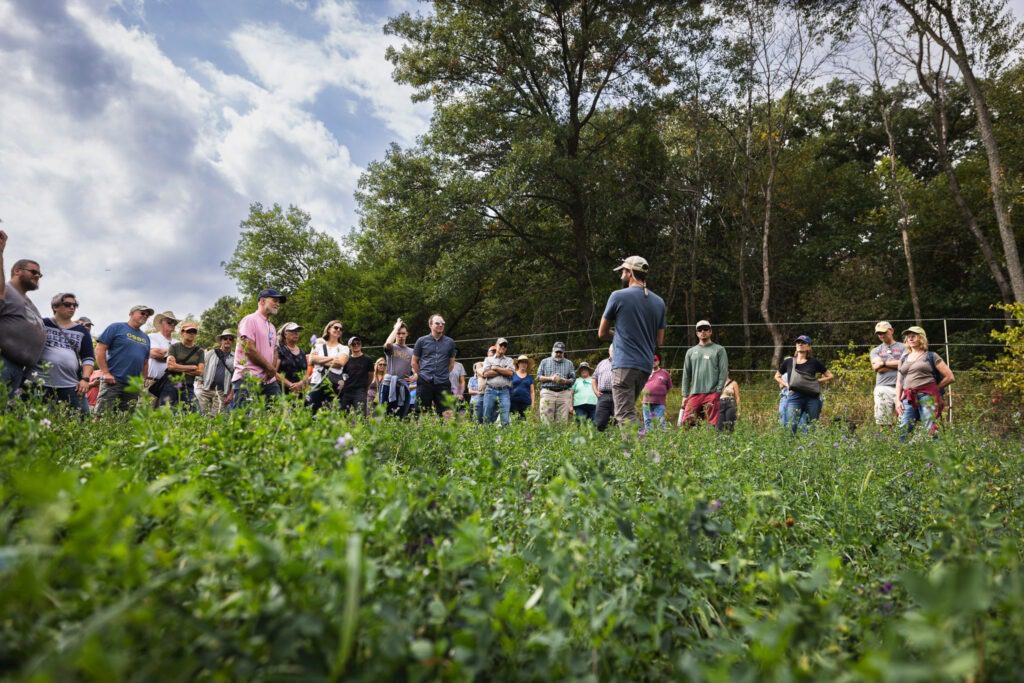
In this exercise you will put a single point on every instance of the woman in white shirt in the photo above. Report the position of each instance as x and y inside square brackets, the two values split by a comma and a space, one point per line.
[328, 358]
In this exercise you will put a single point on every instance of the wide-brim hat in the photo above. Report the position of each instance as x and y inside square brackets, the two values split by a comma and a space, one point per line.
[166, 315]
[584, 366]
[226, 333]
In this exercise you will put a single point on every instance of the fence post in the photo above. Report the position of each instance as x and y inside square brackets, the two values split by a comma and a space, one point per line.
[949, 362]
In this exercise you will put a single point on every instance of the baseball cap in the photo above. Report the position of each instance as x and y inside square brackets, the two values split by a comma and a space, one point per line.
[270, 293]
[522, 358]
[290, 327]
[558, 346]
[189, 325]
[140, 307]
[804, 338]
[84, 320]
[703, 323]
[635, 263]
[501, 340]
[226, 333]
[584, 366]
[883, 326]
[919, 331]
[354, 338]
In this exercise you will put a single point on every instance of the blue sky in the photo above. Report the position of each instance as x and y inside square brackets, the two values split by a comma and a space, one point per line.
[134, 134]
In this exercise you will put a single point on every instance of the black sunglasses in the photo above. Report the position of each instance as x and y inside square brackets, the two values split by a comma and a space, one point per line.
[703, 329]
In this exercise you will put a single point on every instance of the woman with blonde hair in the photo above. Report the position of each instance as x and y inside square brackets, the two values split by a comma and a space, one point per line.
[328, 358]
[921, 377]
[380, 367]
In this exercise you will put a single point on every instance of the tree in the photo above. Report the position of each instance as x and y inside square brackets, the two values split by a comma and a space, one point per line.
[995, 34]
[278, 249]
[224, 314]
[523, 90]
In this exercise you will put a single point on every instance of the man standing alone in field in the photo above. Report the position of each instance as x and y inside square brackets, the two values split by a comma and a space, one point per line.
[639, 318]
[433, 358]
[705, 370]
[256, 351]
[885, 361]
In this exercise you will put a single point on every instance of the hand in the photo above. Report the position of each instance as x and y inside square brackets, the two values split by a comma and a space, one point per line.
[108, 378]
[83, 386]
[3, 241]
[899, 408]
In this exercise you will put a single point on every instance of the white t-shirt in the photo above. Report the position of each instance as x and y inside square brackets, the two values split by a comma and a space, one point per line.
[157, 368]
[320, 370]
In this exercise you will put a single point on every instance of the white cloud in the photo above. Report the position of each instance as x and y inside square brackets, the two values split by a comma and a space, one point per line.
[126, 175]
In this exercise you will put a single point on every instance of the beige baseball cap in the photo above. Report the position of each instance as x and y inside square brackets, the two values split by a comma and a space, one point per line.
[635, 263]
[884, 326]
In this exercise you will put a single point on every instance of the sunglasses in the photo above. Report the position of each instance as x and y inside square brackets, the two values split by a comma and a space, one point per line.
[703, 329]
[33, 271]
[189, 331]
[69, 304]
[335, 327]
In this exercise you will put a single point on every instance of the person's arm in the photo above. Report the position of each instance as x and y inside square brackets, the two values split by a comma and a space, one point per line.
[462, 384]
[158, 354]
[826, 376]
[101, 362]
[451, 364]
[877, 364]
[3, 246]
[723, 370]
[604, 330]
[686, 377]
[504, 371]
[736, 393]
[393, 337]
[899, 394]
[251, 354]
[145, 368]
[947, 373]
[661, 338]
[533, 398]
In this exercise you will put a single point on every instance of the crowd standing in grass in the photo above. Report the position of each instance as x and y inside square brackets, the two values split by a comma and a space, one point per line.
[59, 357]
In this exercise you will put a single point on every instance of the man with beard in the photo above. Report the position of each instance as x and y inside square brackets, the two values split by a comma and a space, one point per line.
[22, 333]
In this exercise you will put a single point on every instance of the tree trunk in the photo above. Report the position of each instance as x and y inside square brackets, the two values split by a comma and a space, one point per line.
[958, 53]
[915, 299]
[766, 271]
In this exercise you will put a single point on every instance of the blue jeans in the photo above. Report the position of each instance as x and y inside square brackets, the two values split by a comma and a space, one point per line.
[800, 405]
[923, 413]
[268, 391]
[493, 397]
[585, 411]
[652, 412]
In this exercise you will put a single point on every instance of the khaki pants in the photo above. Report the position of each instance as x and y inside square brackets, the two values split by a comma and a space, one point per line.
[211, 401]
[885, 405]
[113, 396]
[555, 406]
[627, 383]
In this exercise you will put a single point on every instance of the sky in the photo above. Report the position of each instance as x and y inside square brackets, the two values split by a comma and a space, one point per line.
[134, 135]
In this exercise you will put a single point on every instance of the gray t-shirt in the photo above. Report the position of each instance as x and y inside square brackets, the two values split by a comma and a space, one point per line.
[66, 350]
[22, 334]
[399, 360]
[887, 353]
[638, 314]
[458, 371]
[498, 381]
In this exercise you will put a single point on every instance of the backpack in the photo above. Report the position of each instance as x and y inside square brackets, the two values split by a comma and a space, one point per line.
[936, 375]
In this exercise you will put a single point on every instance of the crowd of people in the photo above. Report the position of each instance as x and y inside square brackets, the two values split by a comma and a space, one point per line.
[58, 358]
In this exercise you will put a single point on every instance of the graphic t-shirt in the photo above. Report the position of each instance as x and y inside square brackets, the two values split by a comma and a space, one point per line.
[157, 368]
[637, 319]
[399, 360]
[22, 334]
[887, 353]
[257, 331]
[127, 350]
[60, 364]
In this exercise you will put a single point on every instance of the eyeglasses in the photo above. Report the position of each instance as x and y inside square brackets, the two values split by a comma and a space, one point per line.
[438, 322]
[703, 329]
[33, 271]
[69, 304]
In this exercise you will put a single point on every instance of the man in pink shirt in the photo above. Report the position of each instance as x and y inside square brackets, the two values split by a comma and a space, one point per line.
[256, 350]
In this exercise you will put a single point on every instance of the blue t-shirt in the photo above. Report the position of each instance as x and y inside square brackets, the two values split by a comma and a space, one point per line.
[434, 355]
[637, 319]
[127, 350]
[521, 388]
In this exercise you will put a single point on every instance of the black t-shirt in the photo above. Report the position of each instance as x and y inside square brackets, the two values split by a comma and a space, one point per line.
[293, 365]
[358, 370]
[812, 366]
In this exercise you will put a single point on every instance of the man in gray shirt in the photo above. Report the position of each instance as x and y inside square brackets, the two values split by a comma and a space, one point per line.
[885, 359]
[22, 334]
[498, 371]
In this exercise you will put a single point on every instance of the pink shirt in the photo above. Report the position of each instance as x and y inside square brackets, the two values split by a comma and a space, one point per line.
[257, 330]
[657, 387]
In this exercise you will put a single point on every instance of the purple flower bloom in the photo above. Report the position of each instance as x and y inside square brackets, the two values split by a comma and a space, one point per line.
[886, 588]
[343, 441]
[835, 445]
[715, 505]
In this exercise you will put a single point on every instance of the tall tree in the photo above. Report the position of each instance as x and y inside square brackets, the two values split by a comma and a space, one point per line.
[995, 34]
[538, 74]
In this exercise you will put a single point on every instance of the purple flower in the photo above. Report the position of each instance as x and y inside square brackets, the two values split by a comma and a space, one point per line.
[886, 588]
[715, 505]
[927, 465]
[343, 441]
[835, 445]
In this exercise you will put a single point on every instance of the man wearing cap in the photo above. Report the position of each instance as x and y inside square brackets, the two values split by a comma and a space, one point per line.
[214, 390]
[159, 344]
[433, 357]
[122, 353]
[22, 333]
[497, 372]
[555, 374]
[705, 370]
[603, 389]
[639, 318]
[885, 361]
[256, 350]
[68, 358]
[185, 361]
[357, 378]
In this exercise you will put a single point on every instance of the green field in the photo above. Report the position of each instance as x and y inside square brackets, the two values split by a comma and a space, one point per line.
[163, 548]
